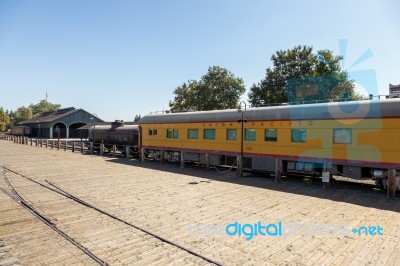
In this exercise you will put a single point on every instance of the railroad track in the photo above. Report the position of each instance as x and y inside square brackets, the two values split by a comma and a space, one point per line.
[97, 218]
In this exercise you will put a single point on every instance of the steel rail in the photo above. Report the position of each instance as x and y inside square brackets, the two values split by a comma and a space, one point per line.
[21, 201]
[80, 201]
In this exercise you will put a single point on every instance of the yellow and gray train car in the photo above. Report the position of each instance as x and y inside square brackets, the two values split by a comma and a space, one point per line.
[355, 139]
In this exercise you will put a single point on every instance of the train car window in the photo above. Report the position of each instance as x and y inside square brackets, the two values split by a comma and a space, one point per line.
[193, 133]
[169, 133]
[150, 132]
[299, 135]
[231, 134]
[271, 135]
[176, 133]
[172, 133]
[154, 132]
[250, 134]
[342, 136]
[209, 133]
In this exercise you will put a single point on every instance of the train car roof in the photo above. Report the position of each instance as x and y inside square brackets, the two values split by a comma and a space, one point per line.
[321, 111]
[109, 127]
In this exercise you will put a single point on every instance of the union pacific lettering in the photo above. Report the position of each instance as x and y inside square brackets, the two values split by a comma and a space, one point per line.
[263, 124]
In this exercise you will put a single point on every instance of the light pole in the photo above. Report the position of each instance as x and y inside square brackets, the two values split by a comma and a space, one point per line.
[38, 135]
[239, 172]
[58, 131]
[94, 124]
[23, 133]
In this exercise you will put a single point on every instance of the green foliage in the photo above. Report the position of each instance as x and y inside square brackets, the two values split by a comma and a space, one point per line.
[218, 89]
[137, 118]
[23, 113]
[42, 107]
[4, 120]
[300, 75]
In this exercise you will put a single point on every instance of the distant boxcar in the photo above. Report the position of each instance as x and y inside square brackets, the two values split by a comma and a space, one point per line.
[21, 131]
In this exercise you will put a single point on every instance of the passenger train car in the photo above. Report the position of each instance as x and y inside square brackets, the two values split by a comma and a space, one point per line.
[356, 139]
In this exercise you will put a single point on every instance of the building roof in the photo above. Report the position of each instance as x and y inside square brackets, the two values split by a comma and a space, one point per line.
[52, 116]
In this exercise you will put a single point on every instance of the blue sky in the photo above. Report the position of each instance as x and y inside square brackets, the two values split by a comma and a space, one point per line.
[121, 58]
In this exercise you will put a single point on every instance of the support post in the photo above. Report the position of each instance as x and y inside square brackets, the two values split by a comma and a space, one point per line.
[52, 144]
[101, 149]
[113, 150]
[73, 146]
[182, 159]
[65, 145]
[162, 157]
[58, 144]
[326, 174]
[391, 184]
[207, 161]
[91, 148]
[46, 143]
[239, 168]
[82, 147]
[142, 155]
[31, 141]
[41, 143]
[127, 152]
[278, 170]
[36, 142]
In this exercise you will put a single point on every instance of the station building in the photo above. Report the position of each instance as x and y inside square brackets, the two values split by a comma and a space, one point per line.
[63, 123]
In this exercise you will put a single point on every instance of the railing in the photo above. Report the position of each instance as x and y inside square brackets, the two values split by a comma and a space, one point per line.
[74, 146]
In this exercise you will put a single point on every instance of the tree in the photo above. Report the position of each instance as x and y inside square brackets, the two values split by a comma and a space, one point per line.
[218, 89]
[43, 106]
[23, 113]
[137, 118]
[300, 75]
[4, 120]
